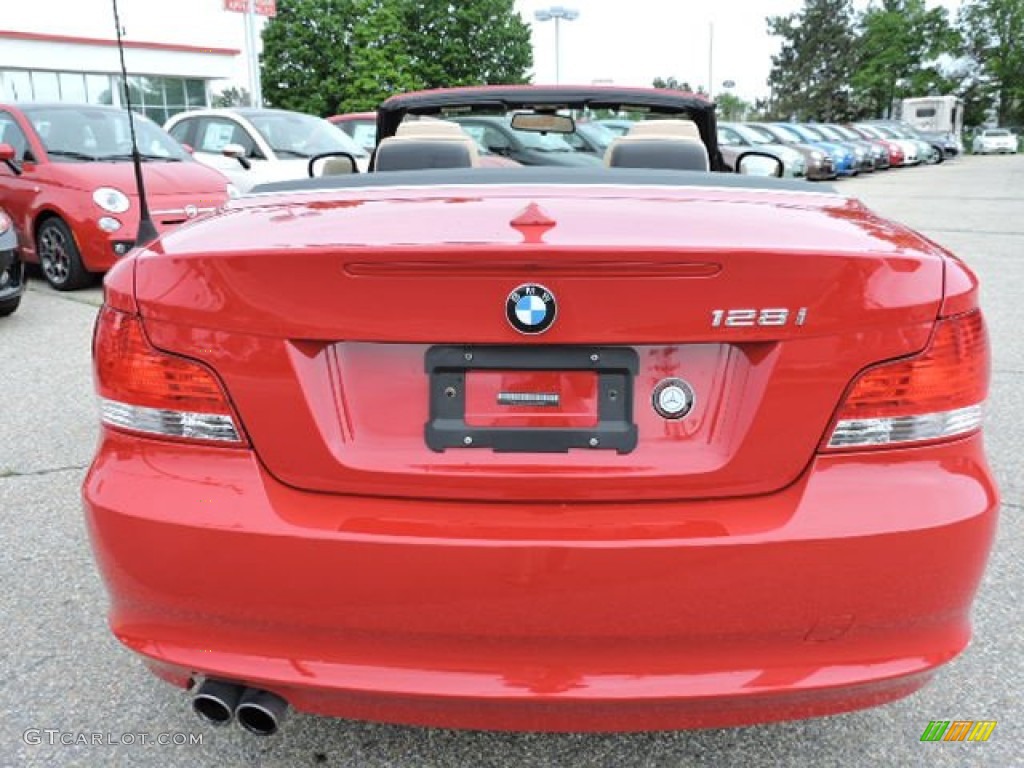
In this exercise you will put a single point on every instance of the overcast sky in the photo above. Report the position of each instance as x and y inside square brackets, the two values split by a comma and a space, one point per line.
[633, 41]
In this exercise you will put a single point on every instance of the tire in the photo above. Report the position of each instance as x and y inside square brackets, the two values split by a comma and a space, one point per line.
[7, 306]
[59, 257]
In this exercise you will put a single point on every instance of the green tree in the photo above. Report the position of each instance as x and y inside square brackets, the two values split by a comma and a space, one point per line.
[899, 49]
[472, 42]
[731, 107]
[232, 97]
[332, 56]
[810, 76]
[993, 32]
[672, 84]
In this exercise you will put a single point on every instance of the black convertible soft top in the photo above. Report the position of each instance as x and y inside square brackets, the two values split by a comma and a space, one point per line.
[506, 98]
[596, 176]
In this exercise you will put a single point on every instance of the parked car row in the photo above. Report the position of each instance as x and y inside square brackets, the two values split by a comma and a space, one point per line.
[70, 192]
[822, 151]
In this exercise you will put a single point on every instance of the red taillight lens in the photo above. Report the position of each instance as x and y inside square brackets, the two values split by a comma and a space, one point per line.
[936, 394]
[145, 390]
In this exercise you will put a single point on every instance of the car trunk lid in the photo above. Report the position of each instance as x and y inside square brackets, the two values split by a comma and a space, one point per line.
[363, 335]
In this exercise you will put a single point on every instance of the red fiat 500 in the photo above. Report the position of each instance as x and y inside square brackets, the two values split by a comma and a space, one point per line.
[543, 448]
[67, 181]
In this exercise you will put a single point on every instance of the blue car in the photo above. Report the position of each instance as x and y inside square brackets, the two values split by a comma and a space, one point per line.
[843, 160]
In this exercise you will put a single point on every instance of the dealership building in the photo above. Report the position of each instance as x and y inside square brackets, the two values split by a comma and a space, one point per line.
[179, 56]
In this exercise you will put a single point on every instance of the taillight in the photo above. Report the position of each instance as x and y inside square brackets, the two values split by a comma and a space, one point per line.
[936, 394]
[142, 389]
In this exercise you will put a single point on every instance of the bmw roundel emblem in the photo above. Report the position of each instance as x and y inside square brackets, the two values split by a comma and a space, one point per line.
[531, 308]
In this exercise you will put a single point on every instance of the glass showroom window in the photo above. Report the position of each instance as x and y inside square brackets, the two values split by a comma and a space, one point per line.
[162, 97]
[74, 87]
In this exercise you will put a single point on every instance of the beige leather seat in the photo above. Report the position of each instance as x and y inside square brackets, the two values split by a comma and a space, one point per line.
[421, 144]
[669, 144]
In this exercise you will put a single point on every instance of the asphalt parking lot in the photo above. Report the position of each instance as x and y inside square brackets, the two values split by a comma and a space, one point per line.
[61, 671]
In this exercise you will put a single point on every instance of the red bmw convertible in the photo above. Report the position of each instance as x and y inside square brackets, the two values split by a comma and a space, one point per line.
[648, 446]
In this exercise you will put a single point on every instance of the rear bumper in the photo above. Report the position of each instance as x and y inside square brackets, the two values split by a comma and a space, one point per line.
[847, 589]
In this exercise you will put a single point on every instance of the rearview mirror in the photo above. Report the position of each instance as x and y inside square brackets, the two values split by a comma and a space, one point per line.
[543, 122]
[759, 164]
[236, 151]
[332, 164]
[7, 155]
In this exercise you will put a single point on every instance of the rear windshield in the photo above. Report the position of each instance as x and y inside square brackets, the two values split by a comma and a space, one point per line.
[998, 132]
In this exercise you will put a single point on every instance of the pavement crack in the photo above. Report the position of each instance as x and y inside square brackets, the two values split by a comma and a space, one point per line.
[6, 472]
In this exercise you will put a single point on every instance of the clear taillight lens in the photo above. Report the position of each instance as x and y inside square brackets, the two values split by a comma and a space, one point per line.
[144, 390]
[936, 394]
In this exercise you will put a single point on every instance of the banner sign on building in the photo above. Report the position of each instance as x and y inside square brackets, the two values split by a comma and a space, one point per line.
[262, 7]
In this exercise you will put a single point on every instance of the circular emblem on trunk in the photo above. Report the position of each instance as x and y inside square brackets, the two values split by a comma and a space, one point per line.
[191, 211]
[531, 308]
[672, 398]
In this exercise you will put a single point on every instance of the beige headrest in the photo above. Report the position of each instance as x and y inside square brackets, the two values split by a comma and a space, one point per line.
[434, 129]
[664, 129]
[644, 136]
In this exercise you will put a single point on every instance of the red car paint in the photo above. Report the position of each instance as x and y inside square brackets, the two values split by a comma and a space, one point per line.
[353, 117]
[48, 187]
[731, 569]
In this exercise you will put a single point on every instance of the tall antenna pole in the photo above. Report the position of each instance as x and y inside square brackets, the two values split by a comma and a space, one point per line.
[147, 230]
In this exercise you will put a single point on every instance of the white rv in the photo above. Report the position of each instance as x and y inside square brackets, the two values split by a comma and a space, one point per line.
[935, 114]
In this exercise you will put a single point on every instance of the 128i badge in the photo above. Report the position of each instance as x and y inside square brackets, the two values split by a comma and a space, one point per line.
[531, 308]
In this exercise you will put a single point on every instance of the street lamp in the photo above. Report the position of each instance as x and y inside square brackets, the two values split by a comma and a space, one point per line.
[558, 13]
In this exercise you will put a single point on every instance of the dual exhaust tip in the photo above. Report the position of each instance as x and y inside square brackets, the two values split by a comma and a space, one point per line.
[258, 711]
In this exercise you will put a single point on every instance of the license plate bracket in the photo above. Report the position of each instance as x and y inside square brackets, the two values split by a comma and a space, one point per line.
[615, 367]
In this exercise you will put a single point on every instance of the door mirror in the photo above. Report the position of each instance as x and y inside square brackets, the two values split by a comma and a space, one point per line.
[188, 148]
[236, 151]
[7, 155]
[332, 164]
[758, 164]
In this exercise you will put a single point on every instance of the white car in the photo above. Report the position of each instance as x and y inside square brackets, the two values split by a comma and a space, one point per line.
[255, 146]
[995, 140]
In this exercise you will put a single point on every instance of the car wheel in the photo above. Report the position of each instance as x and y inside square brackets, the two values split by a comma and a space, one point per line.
[59, 256]
[15, 274]
[7, 306]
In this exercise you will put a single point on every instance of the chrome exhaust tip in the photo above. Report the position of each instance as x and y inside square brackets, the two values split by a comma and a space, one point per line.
[216, 700]
[260, 712]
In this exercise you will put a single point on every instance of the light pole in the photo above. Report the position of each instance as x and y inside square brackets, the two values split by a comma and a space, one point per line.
[558, 13]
